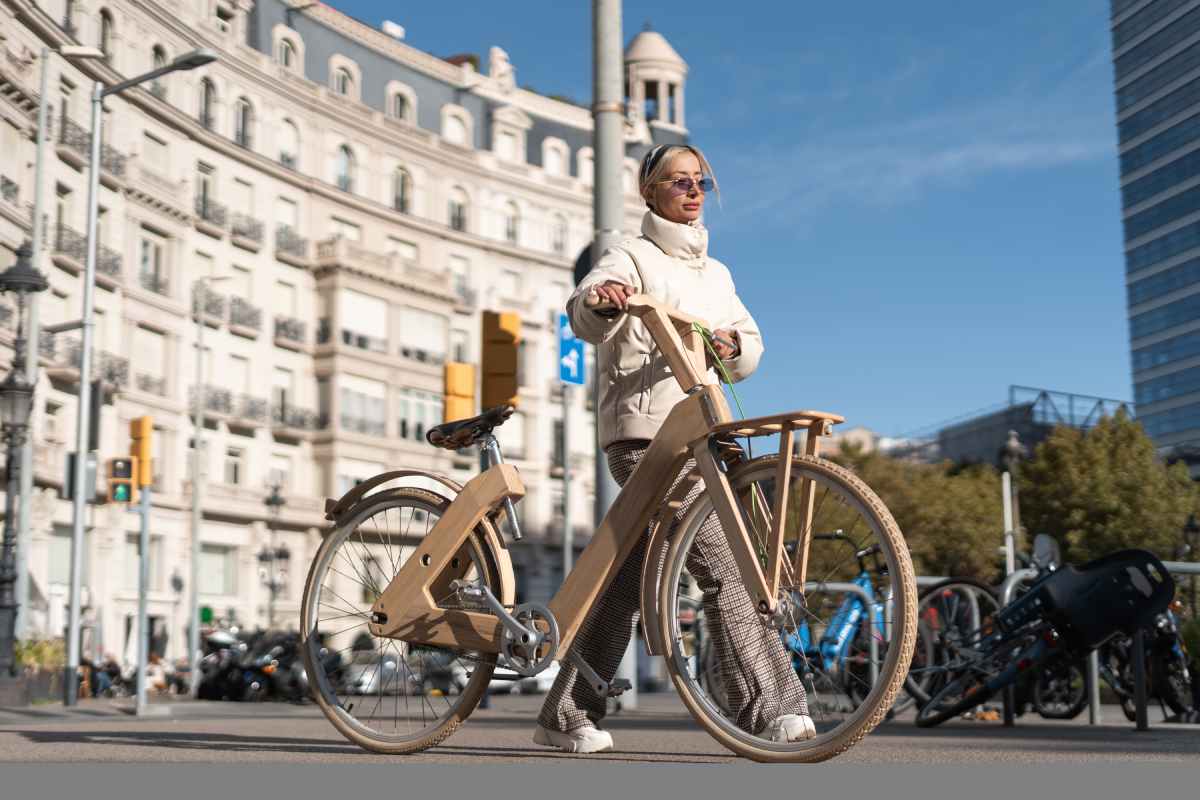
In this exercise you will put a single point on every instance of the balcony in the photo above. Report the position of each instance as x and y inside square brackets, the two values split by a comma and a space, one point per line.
[74, 142]
[341, 252]
[247, 232]
[290, 333]
[69, 249]
[108, 266]
[296, 419]
[212, 218]
[156, 190]
[112, 166]
[254, 410]
[291, 247]
[217, 400]
[324, 331]
[371, 427]
[111, 368]
[244, 319]
[213, 305]
[155, 282]
[151, 384]
[362, 341]
[10, 192]
[466, 298]
[421, 355]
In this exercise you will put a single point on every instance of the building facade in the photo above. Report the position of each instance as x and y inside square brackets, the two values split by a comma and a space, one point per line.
[358, 202]
[1156, 60]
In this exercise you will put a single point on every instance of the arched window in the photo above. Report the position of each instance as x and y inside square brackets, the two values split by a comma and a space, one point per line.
[287, 54]
[289, 145]
[208, 103]
[457, 208]
[159, 57]
[456, 130]
[401, 190]
[106, 34]
[554, 161]
[345, 168]
[343, 82]
[512, 222]
[558, 234]
[242, 121]
[399, 106]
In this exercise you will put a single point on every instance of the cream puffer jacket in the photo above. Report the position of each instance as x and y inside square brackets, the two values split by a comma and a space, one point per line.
[669, 262]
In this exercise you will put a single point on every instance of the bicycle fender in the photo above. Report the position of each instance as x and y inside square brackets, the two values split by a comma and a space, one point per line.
[334, 508]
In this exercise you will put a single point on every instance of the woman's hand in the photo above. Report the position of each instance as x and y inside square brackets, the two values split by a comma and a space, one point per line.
[615, 292]
[726, 342]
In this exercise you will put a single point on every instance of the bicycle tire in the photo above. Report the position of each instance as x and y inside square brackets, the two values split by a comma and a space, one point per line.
[327, 700]
[874, 709]
[922, 688]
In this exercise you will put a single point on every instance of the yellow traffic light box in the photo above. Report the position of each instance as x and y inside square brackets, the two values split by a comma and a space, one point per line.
[140, 432]
[459, 400]
[121, 484]
[498, 361]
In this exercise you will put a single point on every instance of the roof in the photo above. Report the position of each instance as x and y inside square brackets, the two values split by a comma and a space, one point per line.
[651, 46]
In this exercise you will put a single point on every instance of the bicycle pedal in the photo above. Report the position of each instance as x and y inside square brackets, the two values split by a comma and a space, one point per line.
[619, 687]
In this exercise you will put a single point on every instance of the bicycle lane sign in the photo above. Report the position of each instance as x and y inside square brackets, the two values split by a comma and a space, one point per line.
[570, 353]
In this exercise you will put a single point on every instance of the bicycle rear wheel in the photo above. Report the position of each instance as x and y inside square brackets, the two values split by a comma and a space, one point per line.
[958, 613]
[748, 647]
[384, 694]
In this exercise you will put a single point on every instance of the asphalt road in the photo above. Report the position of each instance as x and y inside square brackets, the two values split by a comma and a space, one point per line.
[659, 731]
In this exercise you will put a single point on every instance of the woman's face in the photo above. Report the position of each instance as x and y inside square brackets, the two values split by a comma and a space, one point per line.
[673, 203]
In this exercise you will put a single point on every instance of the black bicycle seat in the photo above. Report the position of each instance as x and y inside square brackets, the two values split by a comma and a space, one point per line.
[466, 432]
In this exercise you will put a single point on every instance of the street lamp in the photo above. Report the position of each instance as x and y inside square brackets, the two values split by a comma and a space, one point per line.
[273, 579]
[16, 405]
[187, 61]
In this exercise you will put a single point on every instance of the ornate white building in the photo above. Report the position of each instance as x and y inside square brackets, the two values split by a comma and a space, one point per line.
[362, 201]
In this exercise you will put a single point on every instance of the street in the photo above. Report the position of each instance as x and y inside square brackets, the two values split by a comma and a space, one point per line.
[660, 731]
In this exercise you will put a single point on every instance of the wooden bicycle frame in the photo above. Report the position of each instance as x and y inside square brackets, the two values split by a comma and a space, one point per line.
[408, 607]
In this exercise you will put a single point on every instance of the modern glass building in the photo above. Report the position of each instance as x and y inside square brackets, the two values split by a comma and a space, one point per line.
[1156, 61]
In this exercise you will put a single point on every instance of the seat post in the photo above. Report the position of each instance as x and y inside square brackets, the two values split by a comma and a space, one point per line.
[489, 449]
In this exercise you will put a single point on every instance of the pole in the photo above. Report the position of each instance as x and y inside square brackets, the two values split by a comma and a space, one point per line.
[1139, 680]
[608, 106]
[24, 540]
[197, 479]
[143, 628]
[568, 530]
[8, 599]
[1010, 555]
[1093, 684]
[70, 679]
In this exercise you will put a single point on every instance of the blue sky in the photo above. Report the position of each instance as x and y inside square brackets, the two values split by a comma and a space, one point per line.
[920, 201]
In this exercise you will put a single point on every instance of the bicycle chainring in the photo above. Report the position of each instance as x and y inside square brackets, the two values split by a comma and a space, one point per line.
[530, 658]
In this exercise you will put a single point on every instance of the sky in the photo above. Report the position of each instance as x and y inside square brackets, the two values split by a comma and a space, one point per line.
[919, 201]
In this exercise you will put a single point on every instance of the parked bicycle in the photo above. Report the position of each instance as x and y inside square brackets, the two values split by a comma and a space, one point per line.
[410, 566]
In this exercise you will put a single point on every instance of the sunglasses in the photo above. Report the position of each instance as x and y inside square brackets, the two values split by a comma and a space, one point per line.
[684, 185]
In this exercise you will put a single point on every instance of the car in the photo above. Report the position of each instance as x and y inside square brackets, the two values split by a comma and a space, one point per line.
[540, 683]
[368, 673]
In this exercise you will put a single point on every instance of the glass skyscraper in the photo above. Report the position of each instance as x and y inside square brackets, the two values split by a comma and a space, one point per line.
[1156, 61]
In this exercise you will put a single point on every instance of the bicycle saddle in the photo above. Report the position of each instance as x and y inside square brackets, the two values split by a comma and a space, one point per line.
[466, 432]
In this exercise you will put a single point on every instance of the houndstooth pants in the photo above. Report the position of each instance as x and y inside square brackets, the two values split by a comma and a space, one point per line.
[759, 682]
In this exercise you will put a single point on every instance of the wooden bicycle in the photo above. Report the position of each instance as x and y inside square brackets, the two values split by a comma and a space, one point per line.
[410, 603]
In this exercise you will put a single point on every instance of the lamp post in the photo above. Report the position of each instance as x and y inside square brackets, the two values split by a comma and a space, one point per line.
[269, 555]
[16, 405]
[196, 58]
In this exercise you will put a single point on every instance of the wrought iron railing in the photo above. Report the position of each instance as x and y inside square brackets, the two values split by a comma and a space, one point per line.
[73, 135]
[107, 366]
[9, 190]
[212, 303]
[112, 161]
[242, 313]
[155, 283]
[324, 330]
[108, 261]
[211, 211]
[70, 242]
[255, 409]
[373, 427]
[290, 328]
[289, 416]
[363, 341]
[153, 384]
[216, 399]
[247, 227]
[288, 241]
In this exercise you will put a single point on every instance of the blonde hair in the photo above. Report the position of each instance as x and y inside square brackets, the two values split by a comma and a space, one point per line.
[657, 162]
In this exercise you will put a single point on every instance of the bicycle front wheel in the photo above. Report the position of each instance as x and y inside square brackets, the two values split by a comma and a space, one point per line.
[812, 653]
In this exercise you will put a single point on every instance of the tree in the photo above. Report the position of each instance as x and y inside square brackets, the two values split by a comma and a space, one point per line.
[1105, 489]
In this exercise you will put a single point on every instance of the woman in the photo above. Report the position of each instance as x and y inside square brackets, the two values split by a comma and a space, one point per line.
[670, 262]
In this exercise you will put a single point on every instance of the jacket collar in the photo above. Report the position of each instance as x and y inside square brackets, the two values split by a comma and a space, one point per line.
[685, 242]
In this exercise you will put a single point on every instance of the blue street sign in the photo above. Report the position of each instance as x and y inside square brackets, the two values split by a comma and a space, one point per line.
[570, 353]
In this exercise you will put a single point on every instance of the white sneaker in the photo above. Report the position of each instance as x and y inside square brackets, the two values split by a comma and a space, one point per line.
[581, 740]
[791, 728]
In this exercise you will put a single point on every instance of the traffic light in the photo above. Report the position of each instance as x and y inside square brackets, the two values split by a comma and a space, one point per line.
[498, 364]
[459, 400]
[121, 485]
[140, 431]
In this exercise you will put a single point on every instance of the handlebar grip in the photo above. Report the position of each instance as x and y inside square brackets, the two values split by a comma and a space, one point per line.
[604, 308]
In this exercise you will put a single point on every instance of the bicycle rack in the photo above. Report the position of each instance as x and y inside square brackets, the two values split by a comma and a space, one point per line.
[1006, 593]
[869, 602]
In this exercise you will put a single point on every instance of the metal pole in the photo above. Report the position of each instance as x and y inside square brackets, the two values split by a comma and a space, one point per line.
[143, 628]
[608, 106]
[568, 531]
[198, 298]
[70, 678]
[9, 602]
[1093, 684]
[1139, 678]
[32, 352]
[1010, 555]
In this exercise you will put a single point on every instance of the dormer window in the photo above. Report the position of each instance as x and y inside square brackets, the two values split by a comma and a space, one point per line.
[343, 82]
[287, 54]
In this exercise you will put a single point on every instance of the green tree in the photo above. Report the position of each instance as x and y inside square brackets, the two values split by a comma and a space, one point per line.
[1105, 489]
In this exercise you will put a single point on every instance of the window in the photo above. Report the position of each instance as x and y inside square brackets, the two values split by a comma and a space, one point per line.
[406, 251]
[558, 235]
[206, 185]
[280, 473]
[159, 59]
[506, 145]
[153, 270]
[283, 392]
[351, 472]
[345, 168]
[454, 130]
[399, 106]
[523, 363]
[106, 34]
[343, 82]
[346, 230]
[289, 145]
[460, 346]
[150, 353]
[422, 335]
[285, 298]
[286, 56]
[218, 569]
[364, 320]
[508, 284]
[208, 103]
[512, 222]
[401, 190]
[587, 165]
[132, 563]
[224, 20]
[154, 153]
[233, 466]
[60, 555]
[419, 411]
[240, 377]
[364, 404]
[511, 436]
[242, 120]
[287, 214]
[555, 156]
[457, 209]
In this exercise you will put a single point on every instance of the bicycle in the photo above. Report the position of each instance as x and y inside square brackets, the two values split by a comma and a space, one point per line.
[423, 568]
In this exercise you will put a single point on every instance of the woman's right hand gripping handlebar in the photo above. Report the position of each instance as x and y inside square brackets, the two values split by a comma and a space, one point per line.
[609, 298]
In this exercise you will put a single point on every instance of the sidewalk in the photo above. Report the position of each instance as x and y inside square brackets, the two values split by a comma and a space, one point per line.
[160, 707]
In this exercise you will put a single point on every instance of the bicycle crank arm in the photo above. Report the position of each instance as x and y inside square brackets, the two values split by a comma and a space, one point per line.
[526, 636]
[603, 688]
